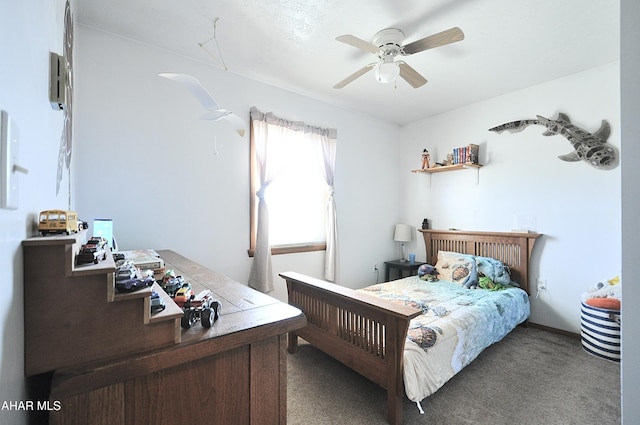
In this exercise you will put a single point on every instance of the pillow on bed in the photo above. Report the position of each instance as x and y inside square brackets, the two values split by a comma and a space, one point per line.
[456, 267]
[494, 269]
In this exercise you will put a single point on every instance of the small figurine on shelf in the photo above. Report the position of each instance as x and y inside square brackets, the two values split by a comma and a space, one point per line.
[448, 161]
[425, 159]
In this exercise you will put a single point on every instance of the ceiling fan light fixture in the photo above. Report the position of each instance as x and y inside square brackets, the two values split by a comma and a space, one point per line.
[387, 72]
[387, 45]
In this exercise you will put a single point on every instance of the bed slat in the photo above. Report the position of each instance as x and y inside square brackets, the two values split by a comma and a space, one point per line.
[513, 249]
[358, 330]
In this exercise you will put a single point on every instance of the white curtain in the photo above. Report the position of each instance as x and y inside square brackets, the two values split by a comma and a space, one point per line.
[324, 141]
[268, 129]
[261, 276]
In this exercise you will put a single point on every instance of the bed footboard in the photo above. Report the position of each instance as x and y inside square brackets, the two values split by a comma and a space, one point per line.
[365, 333]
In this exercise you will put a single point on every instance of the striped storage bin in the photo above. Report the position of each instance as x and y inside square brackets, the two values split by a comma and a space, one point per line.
[600, 332]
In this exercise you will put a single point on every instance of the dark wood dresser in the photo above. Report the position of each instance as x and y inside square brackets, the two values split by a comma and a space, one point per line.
[108, 360]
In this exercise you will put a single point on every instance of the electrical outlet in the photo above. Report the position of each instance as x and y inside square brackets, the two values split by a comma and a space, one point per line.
[375, 268]
[542, 285]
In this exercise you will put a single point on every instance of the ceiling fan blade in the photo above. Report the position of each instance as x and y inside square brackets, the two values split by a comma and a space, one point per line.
[411, 76]
[357, 74]
[354, 41]
[195, 87]
[436, 40]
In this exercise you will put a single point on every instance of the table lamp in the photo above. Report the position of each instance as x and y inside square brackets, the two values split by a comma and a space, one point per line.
[402, 234]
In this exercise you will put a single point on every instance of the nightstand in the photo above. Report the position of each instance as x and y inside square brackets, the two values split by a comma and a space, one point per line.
[401, 266]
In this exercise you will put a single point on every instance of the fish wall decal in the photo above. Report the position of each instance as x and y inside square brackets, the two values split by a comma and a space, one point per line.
[591, 148]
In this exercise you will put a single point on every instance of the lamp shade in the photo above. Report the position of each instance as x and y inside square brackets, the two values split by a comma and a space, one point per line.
[386, 72]
[402, 233]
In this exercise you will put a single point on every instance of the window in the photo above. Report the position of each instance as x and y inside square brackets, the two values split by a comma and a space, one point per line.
[292, 204]
[296, 198]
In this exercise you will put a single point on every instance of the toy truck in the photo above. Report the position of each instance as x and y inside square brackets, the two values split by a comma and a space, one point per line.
[184, 294]
[93, 251]
[200, 307]
[171, 283]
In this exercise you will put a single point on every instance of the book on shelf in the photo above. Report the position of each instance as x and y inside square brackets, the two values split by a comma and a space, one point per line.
[466, 154]
[473, 151]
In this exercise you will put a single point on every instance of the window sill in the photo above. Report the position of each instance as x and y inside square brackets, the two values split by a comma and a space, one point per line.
[292, 249]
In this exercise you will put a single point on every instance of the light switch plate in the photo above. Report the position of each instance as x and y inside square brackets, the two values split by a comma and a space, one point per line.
[8, 176]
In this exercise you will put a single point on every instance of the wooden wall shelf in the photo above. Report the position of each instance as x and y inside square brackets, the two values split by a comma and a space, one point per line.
[448, 168]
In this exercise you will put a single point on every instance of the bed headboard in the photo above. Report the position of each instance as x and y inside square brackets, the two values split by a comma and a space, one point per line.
[512, 248]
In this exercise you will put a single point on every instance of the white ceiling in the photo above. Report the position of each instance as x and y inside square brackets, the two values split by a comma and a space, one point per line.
[508, 45]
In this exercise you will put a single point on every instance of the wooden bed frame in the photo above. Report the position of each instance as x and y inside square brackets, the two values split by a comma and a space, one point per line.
[366, 333]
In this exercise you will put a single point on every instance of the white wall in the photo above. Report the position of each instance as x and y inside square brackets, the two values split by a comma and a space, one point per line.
[146, 161]
[28, 31]
[630, 69]
[575, 206]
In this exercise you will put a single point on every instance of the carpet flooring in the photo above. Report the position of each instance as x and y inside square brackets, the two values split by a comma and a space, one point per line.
[531, 377]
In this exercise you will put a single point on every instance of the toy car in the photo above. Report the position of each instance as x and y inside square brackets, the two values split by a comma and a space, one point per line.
[184, 294]
[171, 283]
[93, 251]
[201, 307]
[157, 303]
[126, 272]
[134, 284]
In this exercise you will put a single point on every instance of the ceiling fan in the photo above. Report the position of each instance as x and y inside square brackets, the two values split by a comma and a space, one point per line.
[386, 45]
